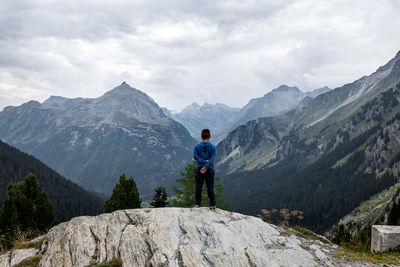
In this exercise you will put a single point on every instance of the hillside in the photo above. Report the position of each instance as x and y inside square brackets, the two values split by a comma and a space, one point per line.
[180, 237]
[93, 141]
[375, 210]
[316, 121]
[324, 157]
[68, 199]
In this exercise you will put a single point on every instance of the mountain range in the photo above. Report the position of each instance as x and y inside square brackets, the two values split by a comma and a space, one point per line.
[221, 119]
[218, 118]
[92, 141]
[324, 157]
[322, 152]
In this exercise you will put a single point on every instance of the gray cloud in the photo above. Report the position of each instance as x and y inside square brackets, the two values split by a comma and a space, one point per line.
[183, 51]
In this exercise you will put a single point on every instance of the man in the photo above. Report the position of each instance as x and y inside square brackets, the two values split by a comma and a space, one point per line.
[204, 155]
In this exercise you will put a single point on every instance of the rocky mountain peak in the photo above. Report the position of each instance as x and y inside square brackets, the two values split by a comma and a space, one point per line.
[54, 100]
[31, 104]
[318, 91]
[191, 108]
[123, 88]
[285, 88]
[194, 105]
[115, 133]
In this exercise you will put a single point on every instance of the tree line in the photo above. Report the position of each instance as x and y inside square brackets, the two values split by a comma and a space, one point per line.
[126, 196]
[27, 208]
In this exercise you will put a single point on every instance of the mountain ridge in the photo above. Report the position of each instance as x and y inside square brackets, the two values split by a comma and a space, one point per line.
[195, 117]
[366, 125]
[329, 108]
[113, 134]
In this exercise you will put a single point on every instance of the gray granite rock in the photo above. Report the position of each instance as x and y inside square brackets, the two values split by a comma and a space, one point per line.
[384, 237]
[179, 237]
[16, 256]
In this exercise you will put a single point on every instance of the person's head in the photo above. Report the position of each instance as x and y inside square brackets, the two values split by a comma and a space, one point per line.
[205, 134]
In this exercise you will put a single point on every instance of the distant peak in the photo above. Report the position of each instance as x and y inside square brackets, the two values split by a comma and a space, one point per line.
[123, 87]
[192, 107]
[55, 99]
[208, 105]
[31, 103]
[286, 88]
[194, 104]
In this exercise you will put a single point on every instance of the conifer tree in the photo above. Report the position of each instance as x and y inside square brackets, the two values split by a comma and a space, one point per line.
[394, 215]
[26, 207]
[125, 196]
[160, 198]
[184, 195]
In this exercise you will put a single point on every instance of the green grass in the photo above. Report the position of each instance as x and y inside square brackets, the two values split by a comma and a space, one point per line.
[305, 233]
[353, 253]
[254, 159]
[349, 254]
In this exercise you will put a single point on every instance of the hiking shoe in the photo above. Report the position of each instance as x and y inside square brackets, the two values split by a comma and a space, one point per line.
[213, 207]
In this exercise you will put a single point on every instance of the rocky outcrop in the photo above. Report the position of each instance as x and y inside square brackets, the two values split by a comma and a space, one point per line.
[178, 237]
[17, 256]
[384, 237]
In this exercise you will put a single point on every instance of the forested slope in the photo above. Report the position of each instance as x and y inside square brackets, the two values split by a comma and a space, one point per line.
[364, 159]
[68, 199]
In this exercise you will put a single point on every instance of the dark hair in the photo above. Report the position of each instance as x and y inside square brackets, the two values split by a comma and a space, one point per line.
[205, 134]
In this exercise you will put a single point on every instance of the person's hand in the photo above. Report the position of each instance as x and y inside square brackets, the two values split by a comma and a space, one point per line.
[206, 160]
[203, 170]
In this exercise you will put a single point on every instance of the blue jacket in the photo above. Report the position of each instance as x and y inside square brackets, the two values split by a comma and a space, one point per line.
[204, 151]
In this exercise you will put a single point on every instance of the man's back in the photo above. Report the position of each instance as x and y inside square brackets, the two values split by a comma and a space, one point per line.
[204, 151]
[204, 154]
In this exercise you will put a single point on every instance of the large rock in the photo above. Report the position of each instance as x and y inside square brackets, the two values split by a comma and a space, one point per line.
[179, 237]
[13, 258]
[176, 237]
[384, 237]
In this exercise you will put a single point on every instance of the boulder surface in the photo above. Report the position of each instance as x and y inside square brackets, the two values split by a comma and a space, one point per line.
[384, 237]
[179, 237]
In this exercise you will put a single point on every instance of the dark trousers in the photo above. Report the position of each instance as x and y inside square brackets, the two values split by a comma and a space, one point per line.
[209, 178]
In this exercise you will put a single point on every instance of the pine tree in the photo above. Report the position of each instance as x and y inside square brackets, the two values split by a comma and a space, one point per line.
[125, 196]
[26, 207]
[394, 215]
[160, 198]
[184, 195]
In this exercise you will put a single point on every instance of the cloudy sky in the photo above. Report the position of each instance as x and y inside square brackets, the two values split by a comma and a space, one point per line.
[179, 52]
